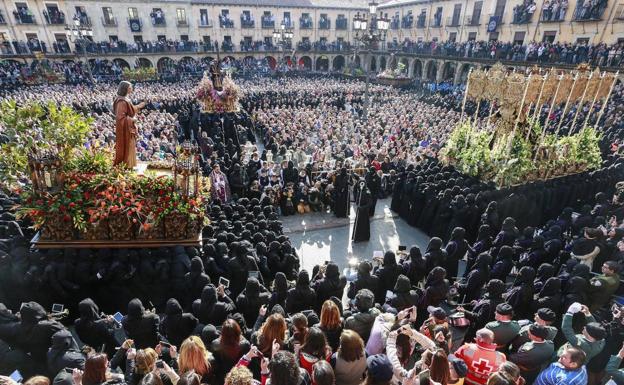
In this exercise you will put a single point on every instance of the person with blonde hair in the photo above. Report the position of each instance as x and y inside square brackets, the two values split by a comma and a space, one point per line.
[239, 375]
[331, 323]
[349, 361]
[194, 356]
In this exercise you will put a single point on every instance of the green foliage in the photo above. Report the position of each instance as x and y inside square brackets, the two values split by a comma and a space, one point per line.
[140, 74]
[91, 161]
[36, 126]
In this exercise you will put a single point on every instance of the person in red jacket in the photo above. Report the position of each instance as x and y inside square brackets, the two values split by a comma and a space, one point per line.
[481, 357]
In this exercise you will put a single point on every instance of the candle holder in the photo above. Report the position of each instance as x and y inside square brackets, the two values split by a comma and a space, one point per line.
[46, 171]
[186, 170]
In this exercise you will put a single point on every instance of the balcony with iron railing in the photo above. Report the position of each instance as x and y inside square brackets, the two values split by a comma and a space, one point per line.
[225, 22]
[206, 23]
[324, 23]
[247, 21]
[522, 14]
[590, 11]
[407, 21]
[85, 21]
[453, 21]
[288, 23]
[421, 21]
[436, 22]
[24, 16]
[472, 20]
[342, 23]
[182, 22]
[158, 19]
[267, 22]
[305, 23]
[395, 23]
[54, 17]
[109, 21]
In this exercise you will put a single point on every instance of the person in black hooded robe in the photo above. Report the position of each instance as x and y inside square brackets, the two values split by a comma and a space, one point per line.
[414, 265]
[328, 284]
[35, 332]
[549, 296]
[416, 200]
[341, 194]
[365, 280]
[196, 280]
[64, 353]
[176, 326]
[388, 273]
[141, 325]
[476, 279]
[373, 182]
[239, 266]
[361, 228]
[455, 251]
[520, 295]
[94, 329]
[280, 291]
[249, 300]
[302, 295]
[436, 291]
[483, 310]
[214, 306]
[434, 255]
[397, 191]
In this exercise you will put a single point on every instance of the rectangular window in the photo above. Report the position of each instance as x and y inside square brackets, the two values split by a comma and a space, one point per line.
[33, 42]
[107, 14]
[476, 13]
[582, 40]
[181, 15]
[472, 36]
[247, 15]
[133, 13]
[549, 36]
[161, 37]
[203, 17]
[456, 14]
[184, 37]
[157, 16]
[206, 39]
[519, 37]
[138, 39]
[452, 36]
[113, 38]
[500, 9]
[494, 36]
[225, 12]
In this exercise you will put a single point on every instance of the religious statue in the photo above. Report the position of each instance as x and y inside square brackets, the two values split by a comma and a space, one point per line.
[216, 75]
[125, 128]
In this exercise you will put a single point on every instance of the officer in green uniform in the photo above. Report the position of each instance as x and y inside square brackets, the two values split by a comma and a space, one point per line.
[544, 317]
[591, 341]
[534, 354]
[602, 287]
[505, 329]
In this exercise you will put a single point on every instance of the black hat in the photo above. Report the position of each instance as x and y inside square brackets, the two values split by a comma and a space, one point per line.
[539, 331]
[504, 309]
[437, 312]
[582, 247]
[546, 314]
[595, 330]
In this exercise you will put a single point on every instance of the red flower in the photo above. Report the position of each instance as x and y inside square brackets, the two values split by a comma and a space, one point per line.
[61, 208]
[128, 203]
[66, 218]
[72, 205]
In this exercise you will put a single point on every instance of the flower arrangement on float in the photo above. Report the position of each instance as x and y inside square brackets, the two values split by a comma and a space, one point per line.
[140, 74]
[69, 189]
[219, 101]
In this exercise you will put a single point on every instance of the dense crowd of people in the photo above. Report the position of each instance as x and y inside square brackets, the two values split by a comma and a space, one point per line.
[515, 286]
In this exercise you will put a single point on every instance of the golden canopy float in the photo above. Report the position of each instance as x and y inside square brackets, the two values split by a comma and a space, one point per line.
[511, 144]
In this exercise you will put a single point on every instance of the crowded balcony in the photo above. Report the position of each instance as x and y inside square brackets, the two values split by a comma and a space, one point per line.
[589, 10]
[53, 16]
[267, 21]
[247, 21]
[407, 21]
[523, 13]
[158, 18]
[554, 11]
[436, 22]
[23, 15]
[395, 23]
[324, 23]
[225, 21]
[421, 21]
[305, 22]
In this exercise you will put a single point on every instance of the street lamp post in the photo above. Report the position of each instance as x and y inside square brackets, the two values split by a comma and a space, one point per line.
[369, 33]
[78, 34]
[283, 37]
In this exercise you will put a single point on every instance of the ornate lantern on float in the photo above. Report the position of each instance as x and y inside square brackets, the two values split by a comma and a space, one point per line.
[186, 170]
[46, 171]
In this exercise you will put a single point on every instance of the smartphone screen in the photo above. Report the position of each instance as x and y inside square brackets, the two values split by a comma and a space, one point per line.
[224, 281]
[57, 308]
[16, 376]
[118, 317]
